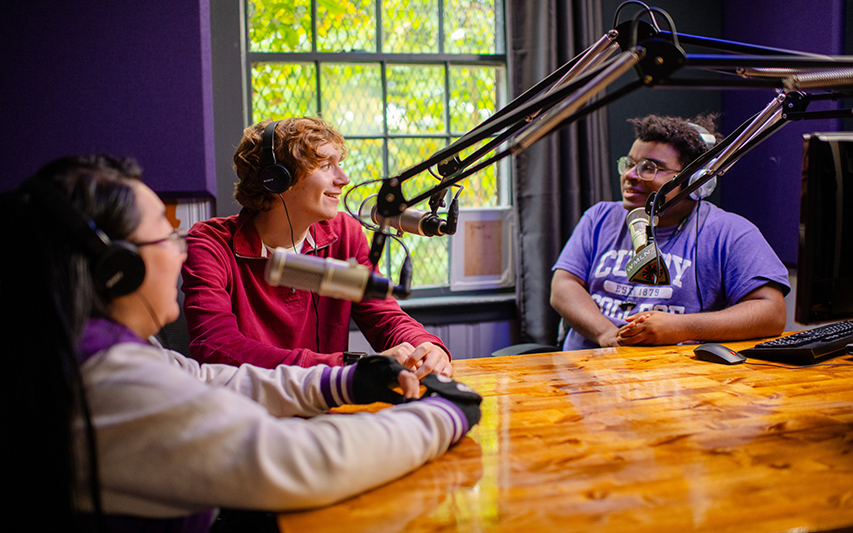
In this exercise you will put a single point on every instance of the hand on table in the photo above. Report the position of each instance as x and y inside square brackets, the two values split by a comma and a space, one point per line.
[650, 327]
[423, 360]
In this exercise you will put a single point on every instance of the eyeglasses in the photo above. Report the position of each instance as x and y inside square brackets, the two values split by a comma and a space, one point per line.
[647, 170]
[175, 236]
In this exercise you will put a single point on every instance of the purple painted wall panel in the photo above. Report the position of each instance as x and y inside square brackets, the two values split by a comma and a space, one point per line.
[764, 186]
[124, 78]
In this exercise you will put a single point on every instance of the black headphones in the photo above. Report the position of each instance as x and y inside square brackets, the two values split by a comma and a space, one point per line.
[275, 177]
[117, 267]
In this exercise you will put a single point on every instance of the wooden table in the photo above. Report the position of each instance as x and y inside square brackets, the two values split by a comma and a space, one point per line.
[629, 439]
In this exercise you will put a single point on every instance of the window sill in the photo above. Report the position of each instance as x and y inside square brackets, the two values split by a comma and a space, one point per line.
[438, 310]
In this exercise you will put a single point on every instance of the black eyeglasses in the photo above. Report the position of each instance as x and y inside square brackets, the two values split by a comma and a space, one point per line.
[175, 236]
[647, 170]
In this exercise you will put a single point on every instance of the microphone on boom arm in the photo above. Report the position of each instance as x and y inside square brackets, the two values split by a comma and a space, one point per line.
[414, 221]
[643, 266]
[326, 276]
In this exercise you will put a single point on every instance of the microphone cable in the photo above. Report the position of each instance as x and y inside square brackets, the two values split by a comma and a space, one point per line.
[405, 270]
[150, 310]
[293, 245]
[696, 254]
[653, 225]
[316, 301]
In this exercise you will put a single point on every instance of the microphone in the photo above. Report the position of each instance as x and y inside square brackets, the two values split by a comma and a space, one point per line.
[422, 223]
[841, 77]
[643, 267]
[326, 276]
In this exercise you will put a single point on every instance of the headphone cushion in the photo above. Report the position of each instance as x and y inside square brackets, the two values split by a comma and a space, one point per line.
[705, 189]
[276, 179]
[120, 270]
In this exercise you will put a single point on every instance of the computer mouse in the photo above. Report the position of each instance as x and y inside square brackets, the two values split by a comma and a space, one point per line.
[717, 353]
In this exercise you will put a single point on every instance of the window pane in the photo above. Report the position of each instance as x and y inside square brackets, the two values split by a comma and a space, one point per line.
[280, 25]
[430, 260]
[346, 25]
[415, 99]
[410, 27]
[404, 153]
[481, 188]
[429, 257]
[363, 163]
[352, 97]
[473, 96]
[413, 103]
[469, 27]
[281, 91]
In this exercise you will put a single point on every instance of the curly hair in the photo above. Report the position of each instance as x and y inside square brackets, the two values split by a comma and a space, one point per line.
[676, 132]
[297, 141]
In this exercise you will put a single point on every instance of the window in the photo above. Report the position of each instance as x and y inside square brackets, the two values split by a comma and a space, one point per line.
[399, 78]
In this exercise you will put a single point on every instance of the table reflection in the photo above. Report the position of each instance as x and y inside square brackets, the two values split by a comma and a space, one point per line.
[639, 439]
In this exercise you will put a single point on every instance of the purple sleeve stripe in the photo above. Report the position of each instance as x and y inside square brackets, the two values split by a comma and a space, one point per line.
[326, 387]
[337, 385]
[457, 417]
[349, 374]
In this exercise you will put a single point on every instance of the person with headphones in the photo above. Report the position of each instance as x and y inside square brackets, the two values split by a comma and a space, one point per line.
[290, 184]
[726, 283]
[109, 431]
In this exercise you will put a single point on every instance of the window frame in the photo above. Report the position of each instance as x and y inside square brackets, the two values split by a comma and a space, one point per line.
[384, 59]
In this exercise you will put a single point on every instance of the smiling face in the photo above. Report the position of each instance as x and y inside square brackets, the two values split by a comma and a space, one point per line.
[636, 191]
[316, 196]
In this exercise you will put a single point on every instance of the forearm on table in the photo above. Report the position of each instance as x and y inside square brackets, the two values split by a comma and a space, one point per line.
[569, 297]
[237, 349]
[748, 319]
[385, 328]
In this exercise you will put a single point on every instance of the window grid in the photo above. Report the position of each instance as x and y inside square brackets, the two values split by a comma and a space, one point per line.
[425, 251]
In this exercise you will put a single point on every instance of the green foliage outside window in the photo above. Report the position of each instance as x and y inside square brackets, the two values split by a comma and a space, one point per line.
[394, 114]
[280, 25]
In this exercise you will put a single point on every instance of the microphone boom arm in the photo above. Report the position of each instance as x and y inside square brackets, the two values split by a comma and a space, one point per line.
[567, 94]
[716, 162]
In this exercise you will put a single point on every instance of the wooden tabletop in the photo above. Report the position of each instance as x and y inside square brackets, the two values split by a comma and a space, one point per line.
[629, 439]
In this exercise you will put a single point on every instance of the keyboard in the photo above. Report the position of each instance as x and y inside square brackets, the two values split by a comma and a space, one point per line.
[806, 347]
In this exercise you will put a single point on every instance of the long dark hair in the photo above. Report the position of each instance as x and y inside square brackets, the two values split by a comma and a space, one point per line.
[47, 294]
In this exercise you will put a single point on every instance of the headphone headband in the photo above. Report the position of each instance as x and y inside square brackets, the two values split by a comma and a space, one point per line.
[706, 135]
[117, 268]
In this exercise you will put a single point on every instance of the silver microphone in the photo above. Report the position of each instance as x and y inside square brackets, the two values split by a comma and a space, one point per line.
[347, 280]
[643, 266]
[840, 77]
[413, 221]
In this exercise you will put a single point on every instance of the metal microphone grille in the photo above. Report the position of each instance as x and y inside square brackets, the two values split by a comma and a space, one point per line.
[300, 279]
[842, 77]
[291, 270]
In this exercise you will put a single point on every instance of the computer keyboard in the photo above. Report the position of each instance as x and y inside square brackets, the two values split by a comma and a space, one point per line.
[806, 347]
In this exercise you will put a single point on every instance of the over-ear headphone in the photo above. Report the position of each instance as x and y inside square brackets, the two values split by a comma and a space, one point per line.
[708, 187]
[117, 268]
[275, 177]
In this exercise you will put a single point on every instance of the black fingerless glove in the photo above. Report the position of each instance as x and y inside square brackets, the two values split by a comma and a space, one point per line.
[460, 394]
[373, 379]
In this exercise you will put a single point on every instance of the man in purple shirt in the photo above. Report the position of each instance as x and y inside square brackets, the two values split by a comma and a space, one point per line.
[726, 283]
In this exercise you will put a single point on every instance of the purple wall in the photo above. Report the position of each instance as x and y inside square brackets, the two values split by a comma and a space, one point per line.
[764, 186]
[123, 78]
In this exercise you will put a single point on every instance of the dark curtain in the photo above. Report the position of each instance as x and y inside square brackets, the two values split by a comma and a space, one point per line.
[562, 175]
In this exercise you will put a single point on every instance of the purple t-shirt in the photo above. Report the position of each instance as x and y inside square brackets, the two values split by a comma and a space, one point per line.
[726, 252]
